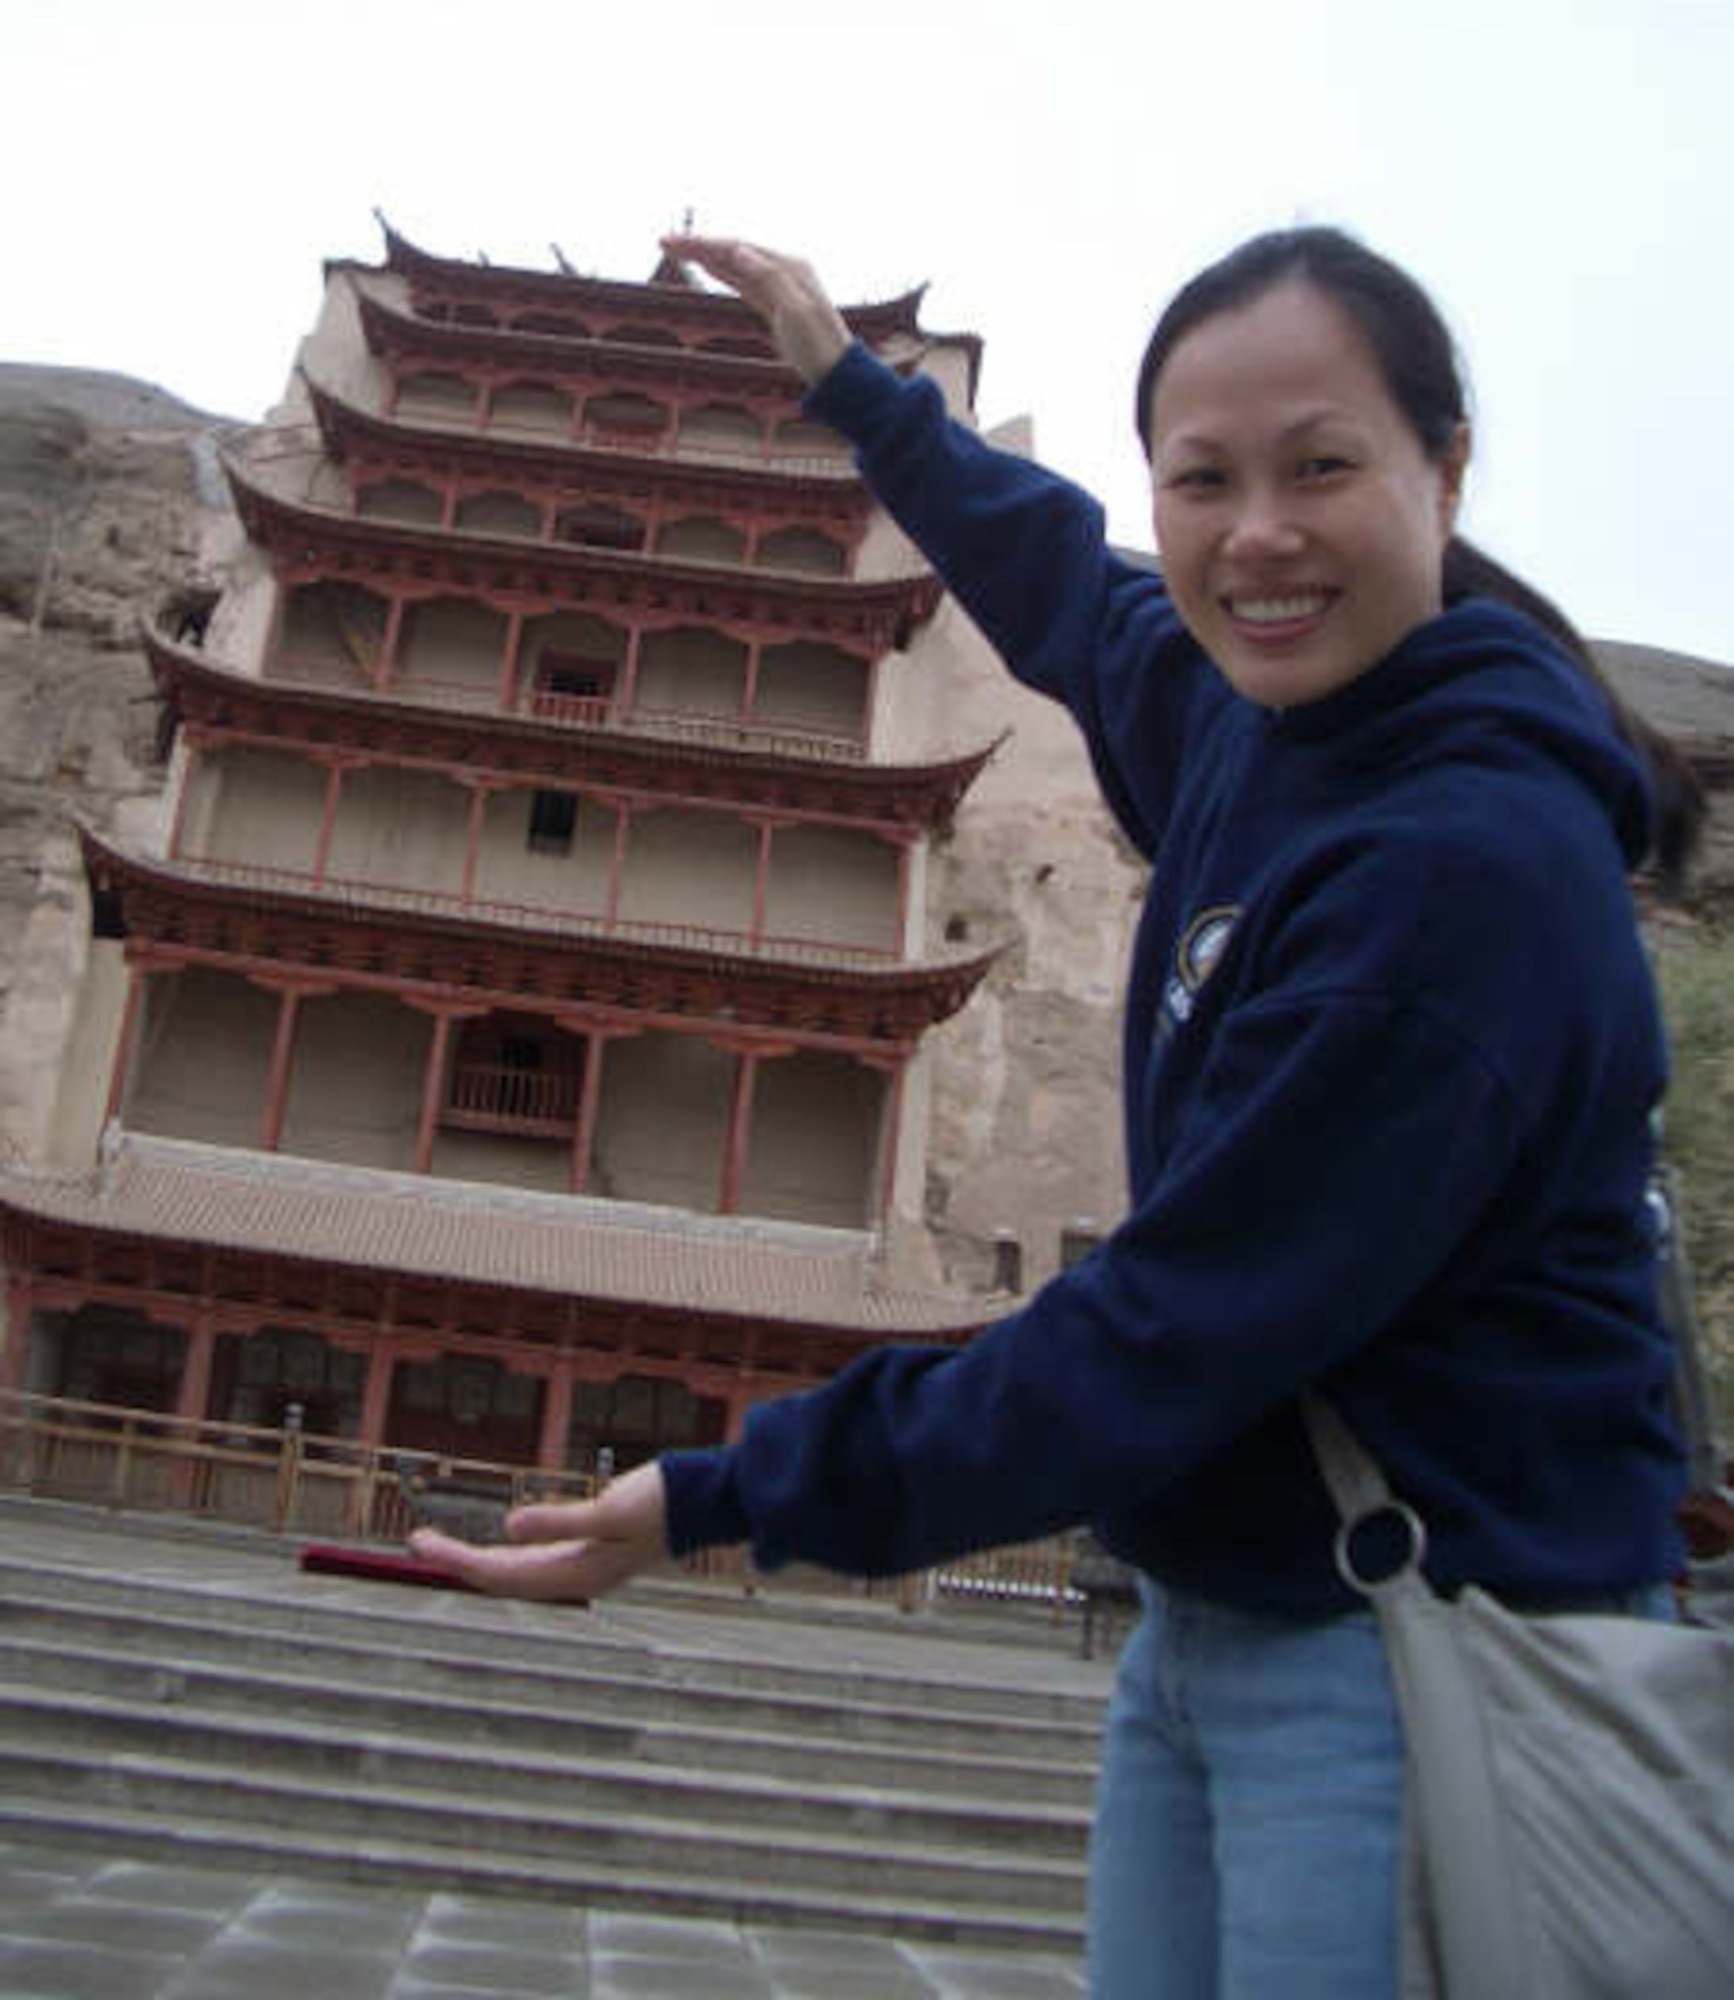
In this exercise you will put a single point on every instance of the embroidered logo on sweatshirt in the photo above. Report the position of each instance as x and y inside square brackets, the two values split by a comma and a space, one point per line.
[1201, 946]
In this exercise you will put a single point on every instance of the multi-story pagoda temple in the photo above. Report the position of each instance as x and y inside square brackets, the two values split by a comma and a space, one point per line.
[513, 1045]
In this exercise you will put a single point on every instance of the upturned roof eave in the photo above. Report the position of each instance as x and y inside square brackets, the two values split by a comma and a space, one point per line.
[340, 420]
[913, 597]
[407, 259]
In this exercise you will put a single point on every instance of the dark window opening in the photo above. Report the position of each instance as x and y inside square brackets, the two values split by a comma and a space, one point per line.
[553, 822]
[601, 528]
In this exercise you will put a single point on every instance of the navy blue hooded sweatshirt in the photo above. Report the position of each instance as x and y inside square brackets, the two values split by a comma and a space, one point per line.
[1391, 1051]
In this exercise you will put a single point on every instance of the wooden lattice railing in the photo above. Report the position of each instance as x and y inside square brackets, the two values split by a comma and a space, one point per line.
[300, 1484]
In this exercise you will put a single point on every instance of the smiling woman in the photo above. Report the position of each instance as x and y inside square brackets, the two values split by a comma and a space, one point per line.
[1391, 1054]
[1301, 523]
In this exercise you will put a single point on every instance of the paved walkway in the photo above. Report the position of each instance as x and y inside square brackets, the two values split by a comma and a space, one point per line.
[85, 1927]
[78, 1924]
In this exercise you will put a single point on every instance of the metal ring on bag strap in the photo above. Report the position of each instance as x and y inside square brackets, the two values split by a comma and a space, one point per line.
[1407, 1567]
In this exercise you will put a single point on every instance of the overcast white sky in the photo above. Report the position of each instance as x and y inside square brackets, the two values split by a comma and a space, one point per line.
[1559, 172]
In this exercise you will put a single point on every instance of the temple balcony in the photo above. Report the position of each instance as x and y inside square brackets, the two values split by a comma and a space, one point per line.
[564, 741]
[361, 896]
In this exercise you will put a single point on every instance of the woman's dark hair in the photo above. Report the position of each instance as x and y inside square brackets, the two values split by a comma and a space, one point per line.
[1418, 360]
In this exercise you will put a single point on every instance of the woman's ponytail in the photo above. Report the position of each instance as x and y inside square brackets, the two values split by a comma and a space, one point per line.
[1678, 796]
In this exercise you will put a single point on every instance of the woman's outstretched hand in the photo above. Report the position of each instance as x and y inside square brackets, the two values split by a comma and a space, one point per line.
[807, 328]
[560, 1551]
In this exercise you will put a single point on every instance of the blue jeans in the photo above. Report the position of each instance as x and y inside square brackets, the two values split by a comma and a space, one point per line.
[1248, 1837]
[1249, 1819]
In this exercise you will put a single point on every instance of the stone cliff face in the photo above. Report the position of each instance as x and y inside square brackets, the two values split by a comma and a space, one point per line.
[108, 502]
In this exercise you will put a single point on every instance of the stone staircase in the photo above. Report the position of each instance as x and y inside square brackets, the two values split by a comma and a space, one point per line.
[694, 1756]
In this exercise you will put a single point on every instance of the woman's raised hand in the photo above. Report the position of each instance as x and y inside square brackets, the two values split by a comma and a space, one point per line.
[562, 1551]
[807, 328]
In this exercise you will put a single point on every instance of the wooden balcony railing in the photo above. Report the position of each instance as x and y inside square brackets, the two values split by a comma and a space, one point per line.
[497, 1095]
[291, 1483]
[359, 893]
[723, 732]
[287, 1481]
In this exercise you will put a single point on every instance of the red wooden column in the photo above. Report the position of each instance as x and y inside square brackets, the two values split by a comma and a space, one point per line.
[740, 1132]
[894, 1069]
[449, 504]
[479, 790]
[336, 763]
[589, 1094]
[747, 1059]
[509, 660]
[138, 971]
[556, 1415]
[195, 1392]
[20, 1304]
[277, 1081]
[385, 670]
[376, 1396]
[768, 828]
[750, 690]
[589, 1105]
[434, 1075]
[628, 689]
[291, 993]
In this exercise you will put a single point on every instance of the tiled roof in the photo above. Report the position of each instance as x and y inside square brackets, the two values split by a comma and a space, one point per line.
[226, 1198]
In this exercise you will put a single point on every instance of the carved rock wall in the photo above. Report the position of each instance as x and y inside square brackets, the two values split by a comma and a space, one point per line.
[108, 500]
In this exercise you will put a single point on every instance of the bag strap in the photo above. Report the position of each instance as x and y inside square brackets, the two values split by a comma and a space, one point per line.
[1358, 1490]
[1471, 1915]
[1351, 1473]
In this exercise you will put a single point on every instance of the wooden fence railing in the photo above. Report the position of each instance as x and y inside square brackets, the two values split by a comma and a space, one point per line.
[296, 1483]
[286, 1481]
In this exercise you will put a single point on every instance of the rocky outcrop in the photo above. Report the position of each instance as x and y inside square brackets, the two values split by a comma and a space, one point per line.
[108, 505]
[1693, 701]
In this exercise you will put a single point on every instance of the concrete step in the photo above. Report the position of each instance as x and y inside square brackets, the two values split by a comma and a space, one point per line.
[335, 1805]
[158, 1680]
[627, 1685]
[470, 1632]
[586, 1882]
[268, 1747]
[656, 1754]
